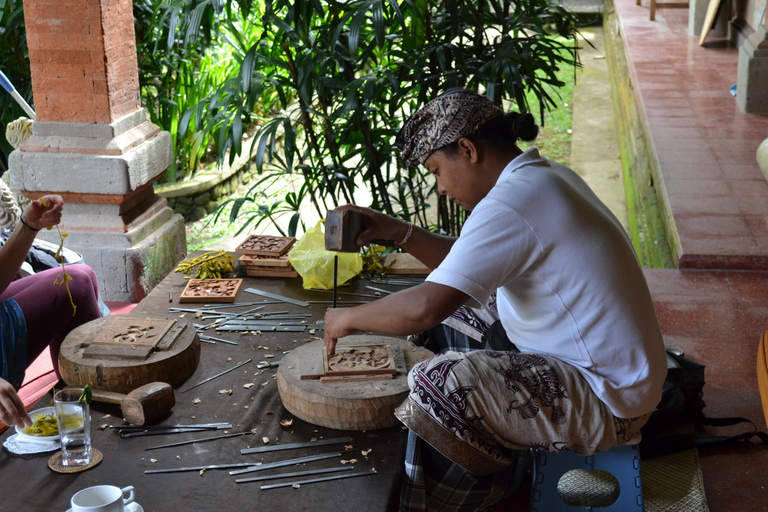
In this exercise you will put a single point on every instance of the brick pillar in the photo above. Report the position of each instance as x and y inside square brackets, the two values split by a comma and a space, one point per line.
[93, 145]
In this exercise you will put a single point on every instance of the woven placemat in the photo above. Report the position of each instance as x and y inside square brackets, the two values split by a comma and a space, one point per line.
[55, 463]
[672, 483]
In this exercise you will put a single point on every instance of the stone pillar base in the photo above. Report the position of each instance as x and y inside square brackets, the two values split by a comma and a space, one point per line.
[752, 89]
[105, 173]
[128, 264]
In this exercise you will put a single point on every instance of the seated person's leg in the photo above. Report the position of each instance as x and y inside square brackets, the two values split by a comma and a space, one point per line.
[47, 308]
[476, 407]
[433, 482]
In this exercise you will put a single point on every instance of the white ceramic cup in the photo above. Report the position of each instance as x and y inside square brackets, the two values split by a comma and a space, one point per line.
[102, 498]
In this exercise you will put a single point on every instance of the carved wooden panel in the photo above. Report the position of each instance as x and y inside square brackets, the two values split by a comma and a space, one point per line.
[359, 360]
[132, 338]
[263, 245]
[211, 290]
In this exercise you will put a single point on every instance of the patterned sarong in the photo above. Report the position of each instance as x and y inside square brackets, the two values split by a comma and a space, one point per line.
[477, 412]
[13, 343]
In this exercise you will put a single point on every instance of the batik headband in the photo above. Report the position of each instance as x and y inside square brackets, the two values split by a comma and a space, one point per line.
[442, 121]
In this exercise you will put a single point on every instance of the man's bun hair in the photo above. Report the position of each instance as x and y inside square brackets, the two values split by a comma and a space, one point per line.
[522, 126]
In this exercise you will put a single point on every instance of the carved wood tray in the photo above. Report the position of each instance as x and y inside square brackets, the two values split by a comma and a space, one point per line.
[262, 245]
[211, 290]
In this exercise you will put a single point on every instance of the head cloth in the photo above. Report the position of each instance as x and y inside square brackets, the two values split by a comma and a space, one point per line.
[442, 121]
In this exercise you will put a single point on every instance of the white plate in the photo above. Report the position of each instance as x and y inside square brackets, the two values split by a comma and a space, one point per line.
[29, 438]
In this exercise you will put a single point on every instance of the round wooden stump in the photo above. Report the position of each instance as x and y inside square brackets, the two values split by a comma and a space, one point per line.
[354, 405]
[96, 354]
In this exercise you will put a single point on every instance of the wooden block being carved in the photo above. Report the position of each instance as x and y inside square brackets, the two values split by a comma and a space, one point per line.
[362, 360]
[404, 263]
[262, 245]
[132, 338]
[342, 227]
[211, 290]
[247, 260]
[271, 272]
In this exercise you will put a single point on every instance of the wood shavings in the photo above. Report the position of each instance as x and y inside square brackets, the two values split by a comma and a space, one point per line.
[268, 356]
[245, 407]
[197, 401]
[265, 440]
[346, 461]
[153, 460]
[263, 362]
[225, 391]
[182, 315]
[269, 412]
[296, 486]
[312, 331]
[264, 384]
[290, 367]
[106, 416]
[102, 427]
[249, 385]
[348, 447]
[253, 430]
[229, 359]
[286, 423]
[178, 457]
[313, 440]
[201, 472]
[353, 461]
[278, 347]
[366, 452]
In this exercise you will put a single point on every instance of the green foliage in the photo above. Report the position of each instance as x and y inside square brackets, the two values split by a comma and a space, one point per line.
[14, 62]
[325, 86]
[333, 82]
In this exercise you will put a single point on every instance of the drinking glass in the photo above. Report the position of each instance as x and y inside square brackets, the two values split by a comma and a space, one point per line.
[74, 421]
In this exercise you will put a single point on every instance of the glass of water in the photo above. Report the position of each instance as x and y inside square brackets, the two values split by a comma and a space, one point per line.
[74, 422]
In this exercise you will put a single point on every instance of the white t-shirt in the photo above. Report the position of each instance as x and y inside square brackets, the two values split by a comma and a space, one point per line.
[569, 283]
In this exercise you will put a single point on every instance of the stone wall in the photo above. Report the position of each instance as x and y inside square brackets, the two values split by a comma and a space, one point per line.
[199, 196]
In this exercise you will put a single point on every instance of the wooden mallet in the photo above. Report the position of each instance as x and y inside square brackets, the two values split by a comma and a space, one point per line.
[147, 404]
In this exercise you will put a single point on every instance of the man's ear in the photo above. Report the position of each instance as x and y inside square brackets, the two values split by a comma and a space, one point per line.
[469, 150]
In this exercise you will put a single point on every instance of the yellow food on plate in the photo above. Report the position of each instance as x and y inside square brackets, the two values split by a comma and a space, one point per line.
[45, 424]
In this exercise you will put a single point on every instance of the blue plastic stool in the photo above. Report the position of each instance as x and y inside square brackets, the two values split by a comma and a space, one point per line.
[623, 462]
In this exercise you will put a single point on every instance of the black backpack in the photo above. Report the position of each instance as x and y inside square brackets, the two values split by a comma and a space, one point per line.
[682, 403]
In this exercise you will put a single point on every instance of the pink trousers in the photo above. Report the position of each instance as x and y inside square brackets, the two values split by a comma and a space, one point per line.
[47, 309]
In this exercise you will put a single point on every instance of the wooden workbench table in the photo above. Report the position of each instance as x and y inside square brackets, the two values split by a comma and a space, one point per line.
[28, 484]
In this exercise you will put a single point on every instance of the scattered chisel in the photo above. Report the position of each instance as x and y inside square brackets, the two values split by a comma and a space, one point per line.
[289, 462]
[214, 339]
[268, 365]
[296, 473]
[262, 327]
[215, 376]
[293, 446]
[162, 432]
[200, 468]
[193, 441]
[209, 426]
[315, 480]
[380, 290]
[275, 296]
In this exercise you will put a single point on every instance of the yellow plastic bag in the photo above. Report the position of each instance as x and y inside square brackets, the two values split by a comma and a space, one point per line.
[315, 265]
